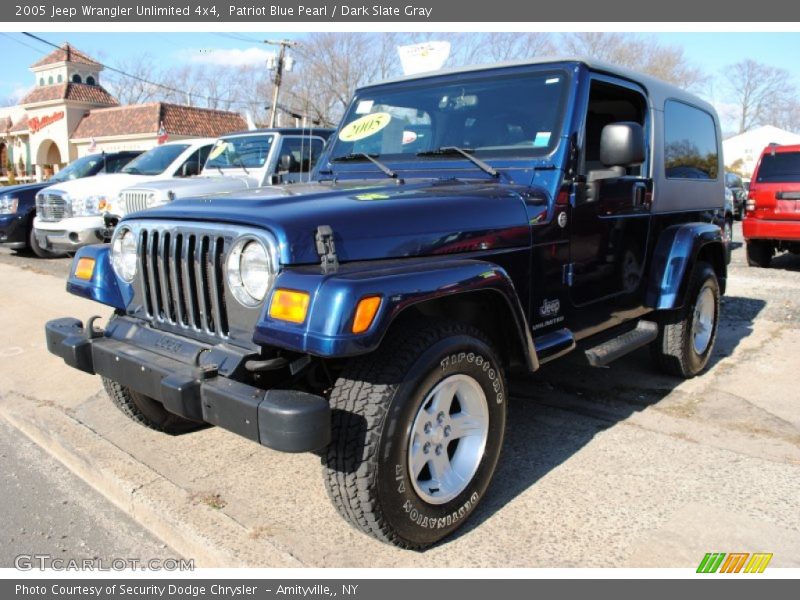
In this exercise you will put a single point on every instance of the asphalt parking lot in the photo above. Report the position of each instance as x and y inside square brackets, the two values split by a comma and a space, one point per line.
[601, 468]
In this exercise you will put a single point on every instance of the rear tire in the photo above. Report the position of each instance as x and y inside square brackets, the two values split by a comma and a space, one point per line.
[146, 411]
[404, 466]
[759, 253]
[686, 336]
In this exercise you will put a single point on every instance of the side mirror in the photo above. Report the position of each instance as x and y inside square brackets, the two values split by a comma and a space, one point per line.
[188, 169]
[622, 144]
[286, 163]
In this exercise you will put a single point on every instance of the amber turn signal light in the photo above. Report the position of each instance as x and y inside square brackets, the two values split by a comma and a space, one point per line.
[289, 305]
[84, 269]
[365, 312]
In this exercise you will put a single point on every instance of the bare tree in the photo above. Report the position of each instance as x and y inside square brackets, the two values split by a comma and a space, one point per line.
[644, 54]
[481, 48]
[132, 90]
[332, 65]
[761, 93]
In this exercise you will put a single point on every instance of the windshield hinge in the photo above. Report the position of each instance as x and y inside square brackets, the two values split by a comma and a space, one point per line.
[326, 249]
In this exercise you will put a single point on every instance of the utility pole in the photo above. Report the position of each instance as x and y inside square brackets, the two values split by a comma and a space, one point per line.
[280, 64]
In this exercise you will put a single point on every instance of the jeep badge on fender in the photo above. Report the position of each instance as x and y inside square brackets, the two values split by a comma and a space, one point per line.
[462, 228]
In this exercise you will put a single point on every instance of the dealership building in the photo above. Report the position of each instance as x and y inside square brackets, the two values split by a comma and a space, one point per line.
[68, 114]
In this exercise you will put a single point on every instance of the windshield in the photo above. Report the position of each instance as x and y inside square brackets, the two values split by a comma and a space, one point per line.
[781, 167]
[154, 161]
[516, 115]
[83, 167]
[250, 152]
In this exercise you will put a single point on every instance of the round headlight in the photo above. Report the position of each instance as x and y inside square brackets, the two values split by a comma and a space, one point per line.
[123, 255]
[249, 271]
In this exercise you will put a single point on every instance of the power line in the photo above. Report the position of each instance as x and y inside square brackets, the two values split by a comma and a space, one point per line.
[147, 81]
[21, 43]
[239, 37]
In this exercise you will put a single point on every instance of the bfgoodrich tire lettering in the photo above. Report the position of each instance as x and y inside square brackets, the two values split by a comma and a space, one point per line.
[375, 403]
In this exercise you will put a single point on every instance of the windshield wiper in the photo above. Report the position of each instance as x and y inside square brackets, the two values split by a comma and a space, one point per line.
[131, 171]
[445, 150]
[240, 162]
[364, 156]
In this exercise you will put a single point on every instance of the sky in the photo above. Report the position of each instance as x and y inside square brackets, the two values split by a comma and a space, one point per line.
[709, 51]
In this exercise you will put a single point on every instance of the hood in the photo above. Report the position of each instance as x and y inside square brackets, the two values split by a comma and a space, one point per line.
[185, 187]
[377, 221]
[11, 190]
[102, 185]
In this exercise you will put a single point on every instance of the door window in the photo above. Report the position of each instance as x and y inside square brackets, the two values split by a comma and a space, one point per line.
[302, 154]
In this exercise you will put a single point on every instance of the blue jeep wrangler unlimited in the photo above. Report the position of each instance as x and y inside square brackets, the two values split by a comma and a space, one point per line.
[464, 226]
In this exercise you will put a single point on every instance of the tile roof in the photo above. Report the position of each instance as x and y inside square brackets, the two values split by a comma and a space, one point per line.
[20, 126]
[146, 118]
[66, 53]
[79, 92]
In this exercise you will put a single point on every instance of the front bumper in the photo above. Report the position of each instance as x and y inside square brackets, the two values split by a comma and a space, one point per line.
[763, 229]
[182, 375]
[68, 235]
[14, 231]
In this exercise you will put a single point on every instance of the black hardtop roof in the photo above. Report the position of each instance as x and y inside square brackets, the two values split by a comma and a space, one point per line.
[320, 131]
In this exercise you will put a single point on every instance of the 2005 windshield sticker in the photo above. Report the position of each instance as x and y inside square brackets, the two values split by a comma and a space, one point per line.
[364, 127]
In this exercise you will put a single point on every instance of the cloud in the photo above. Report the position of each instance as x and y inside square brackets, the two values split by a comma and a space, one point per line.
[227, 57]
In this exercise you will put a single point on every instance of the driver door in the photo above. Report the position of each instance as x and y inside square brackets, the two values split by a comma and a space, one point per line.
[610, 222]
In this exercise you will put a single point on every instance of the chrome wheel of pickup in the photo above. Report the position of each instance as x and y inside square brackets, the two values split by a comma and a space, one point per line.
[448, 438]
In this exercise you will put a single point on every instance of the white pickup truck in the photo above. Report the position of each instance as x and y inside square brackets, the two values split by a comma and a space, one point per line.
[238, 161]
[71, 214]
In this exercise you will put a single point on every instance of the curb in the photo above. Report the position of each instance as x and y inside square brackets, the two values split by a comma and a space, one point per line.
[194, 531]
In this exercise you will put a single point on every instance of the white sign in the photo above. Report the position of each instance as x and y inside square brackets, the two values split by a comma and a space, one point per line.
[427, 56]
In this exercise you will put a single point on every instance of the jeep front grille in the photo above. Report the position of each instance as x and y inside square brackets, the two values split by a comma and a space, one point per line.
[181, 274]
[135, 200]
[51, 207]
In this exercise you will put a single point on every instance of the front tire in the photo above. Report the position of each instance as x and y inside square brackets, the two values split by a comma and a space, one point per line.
[417, 430]
[759, 254]
[686, 336]
[146, 411]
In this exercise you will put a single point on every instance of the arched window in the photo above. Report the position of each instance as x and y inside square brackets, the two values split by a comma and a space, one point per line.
[50, 80]
[90, 80]
[76, 78]
[41, 80]
[60, 78]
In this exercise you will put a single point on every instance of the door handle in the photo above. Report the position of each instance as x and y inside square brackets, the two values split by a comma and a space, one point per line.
[639, 190]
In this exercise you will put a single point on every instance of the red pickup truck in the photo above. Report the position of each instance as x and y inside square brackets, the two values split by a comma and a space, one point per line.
[772, 211]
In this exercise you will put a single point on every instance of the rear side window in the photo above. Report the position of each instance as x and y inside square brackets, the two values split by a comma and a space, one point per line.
[690, 142]
[781, 167]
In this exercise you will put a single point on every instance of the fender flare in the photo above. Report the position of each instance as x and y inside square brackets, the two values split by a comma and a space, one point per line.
[675, 254]
[326, 332]
[103, 287]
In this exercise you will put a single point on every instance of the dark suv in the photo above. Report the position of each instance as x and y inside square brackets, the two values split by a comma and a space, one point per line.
[734, 183]
[18, 202]
[466, 227]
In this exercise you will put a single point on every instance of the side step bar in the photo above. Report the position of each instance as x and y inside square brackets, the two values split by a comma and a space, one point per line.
[603, 354]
